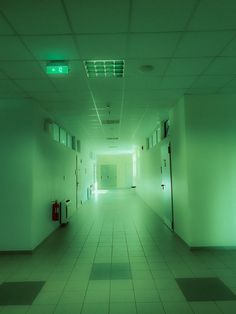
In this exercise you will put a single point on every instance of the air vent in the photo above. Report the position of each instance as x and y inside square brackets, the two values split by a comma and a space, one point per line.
[110, 121]
[112, 138]
[104, 68]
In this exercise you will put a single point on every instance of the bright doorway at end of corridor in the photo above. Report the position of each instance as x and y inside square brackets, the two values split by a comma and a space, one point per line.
[114, 171]
[108, 178]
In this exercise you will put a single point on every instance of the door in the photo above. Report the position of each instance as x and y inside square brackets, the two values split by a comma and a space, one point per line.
[77, 182]
[108, 176]
[166, 184]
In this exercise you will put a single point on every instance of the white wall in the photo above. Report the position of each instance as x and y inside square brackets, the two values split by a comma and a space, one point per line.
[180, 183]
[149, 177]
[124, 168]
[53, 178]
[34, 171]
[203, 148]
[87, 175]
[208, 154]
[15, 175]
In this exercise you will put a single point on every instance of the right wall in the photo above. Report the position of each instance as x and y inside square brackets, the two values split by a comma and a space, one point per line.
[203, 152]
[203, 139]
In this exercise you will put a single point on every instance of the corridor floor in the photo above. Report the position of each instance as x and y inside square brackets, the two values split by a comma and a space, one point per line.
[116, 257]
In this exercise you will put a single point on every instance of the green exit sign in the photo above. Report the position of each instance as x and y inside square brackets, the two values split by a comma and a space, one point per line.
[57, 69]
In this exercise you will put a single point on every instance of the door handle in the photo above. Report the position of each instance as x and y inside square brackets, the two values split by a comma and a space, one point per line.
[163, 186]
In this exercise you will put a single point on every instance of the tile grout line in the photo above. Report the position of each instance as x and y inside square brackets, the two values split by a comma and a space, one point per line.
[127, 247]
[63, 290]
[94, 258]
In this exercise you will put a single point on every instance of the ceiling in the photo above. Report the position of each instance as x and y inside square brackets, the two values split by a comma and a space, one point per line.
[191, 45]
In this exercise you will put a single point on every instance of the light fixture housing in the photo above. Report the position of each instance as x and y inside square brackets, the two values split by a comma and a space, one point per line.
[57, 68]
[104, 68]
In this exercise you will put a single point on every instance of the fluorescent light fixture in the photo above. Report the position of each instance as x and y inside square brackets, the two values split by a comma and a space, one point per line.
[57, 67]
[104, 68]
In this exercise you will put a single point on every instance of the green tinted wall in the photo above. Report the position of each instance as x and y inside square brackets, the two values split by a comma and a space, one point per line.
[204, 155]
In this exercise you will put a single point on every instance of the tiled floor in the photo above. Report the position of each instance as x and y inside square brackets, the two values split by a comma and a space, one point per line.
[115, 257]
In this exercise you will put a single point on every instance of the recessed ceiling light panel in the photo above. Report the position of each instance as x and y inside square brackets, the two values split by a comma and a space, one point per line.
[104, 68]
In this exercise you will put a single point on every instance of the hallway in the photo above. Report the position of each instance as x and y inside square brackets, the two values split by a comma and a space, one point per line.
[116, 256]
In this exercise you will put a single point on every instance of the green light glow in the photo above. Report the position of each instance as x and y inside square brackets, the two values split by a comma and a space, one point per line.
[57, 69]
[104, 68]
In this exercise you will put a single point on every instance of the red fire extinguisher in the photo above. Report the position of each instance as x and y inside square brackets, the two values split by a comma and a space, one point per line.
[55, 210]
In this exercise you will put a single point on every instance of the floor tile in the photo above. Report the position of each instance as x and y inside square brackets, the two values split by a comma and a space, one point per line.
[205, 308]
[114, 271]
[67, 309]
[101, 271]
[19, 293]
[150, 308]
[177, 308]
[95, 308]
[227, 307]
[39, 309]
[171, 295]
[133, 257]
[205, 289]
[122, 295]
[124, 308]
[143, 295]
[15, 309]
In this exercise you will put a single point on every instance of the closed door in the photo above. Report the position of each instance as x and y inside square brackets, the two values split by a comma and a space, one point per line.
[166, 184]
[108, 176]
[77, 182]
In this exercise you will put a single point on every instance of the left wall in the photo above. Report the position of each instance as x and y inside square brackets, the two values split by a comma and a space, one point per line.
[35, 170]
[15, 175]
[53, 178]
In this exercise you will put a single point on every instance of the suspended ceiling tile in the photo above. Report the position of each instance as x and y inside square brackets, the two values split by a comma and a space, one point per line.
[172, 82]
[44, 97]
[70, 84]
[22, 69]
[133, 67]
[132, 112]
[5, 29]
[187, 66]
[104, 16]
[8, 86]
[142, 83]
[211, 81]
[203, 44]
[160, 16]
[152, 45]
[3, 75]
[102, 47]
[52, 47]
[227, 90]
[202, 91]
[230, 50]
[36, 85]
[13, 49]
[82, 97]
[146, 98]
[77, 70]
[222, 66]
[36, 17]
[231, 83]
[105, 97]
[164, 103]
[108, 84]
[214, 15]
